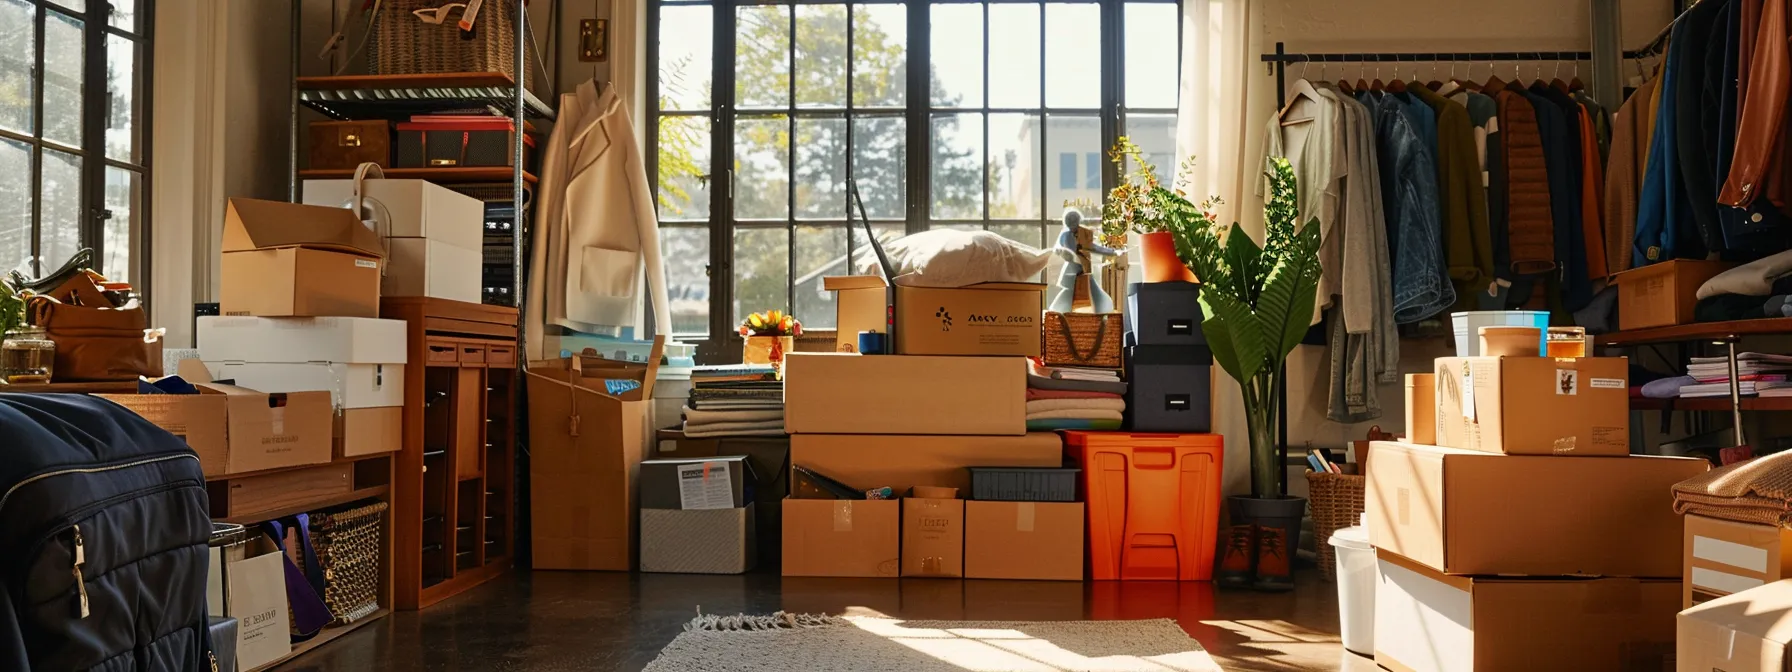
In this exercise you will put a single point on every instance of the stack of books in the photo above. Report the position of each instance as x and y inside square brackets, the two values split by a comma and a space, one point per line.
[1757, 374]
[734, 400]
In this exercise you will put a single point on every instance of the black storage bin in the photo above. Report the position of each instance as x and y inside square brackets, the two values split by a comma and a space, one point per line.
[1163, 313]
[1023, 484]
[1169, 389]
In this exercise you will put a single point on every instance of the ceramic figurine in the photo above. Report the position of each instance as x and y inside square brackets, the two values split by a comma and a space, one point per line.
[1077, 247]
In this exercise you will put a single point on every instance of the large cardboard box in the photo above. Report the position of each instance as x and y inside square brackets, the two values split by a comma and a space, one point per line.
[842, 537]
[992, 318]
[881, 394]
[1023, 540]
[1467, 512]
[349, 385]
[933, 537]
[1428, 622]
[1747, 631]
[1663, 294]
[902, 462]
[237, 430]
[1534, 405]
[369, 431]
[1723, 557]
[859, 305]
[412, 208]
[287, 260]
[300, 340]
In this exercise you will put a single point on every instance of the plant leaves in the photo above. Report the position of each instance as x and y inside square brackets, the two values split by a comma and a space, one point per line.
[1285, 309]
[1247, 265]
[1233, 333]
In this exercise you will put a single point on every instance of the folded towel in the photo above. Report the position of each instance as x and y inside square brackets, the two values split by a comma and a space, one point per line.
[1756, 491]
[1039, 405]
[1076, 414]
[1035, 381]
[704, 433]
[1034, 394]
[1055, 424]
[735, 405]
[706, 429]
[704, 417]
[1073, 373]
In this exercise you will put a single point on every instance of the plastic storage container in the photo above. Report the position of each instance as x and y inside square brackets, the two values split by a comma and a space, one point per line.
[1467, 326]
[1024, 484]
[1356, 588]
[1153, 502]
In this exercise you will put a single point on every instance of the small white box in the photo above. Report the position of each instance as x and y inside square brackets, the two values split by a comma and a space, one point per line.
[432, 268]
[349, 385]
[412, 208]
[295, 340]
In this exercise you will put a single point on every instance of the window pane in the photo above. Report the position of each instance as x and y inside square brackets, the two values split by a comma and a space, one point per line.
[1072, 140]
[1155, 134]
[17, 81]
[60, 231]
[761, 270]
[762, 167]
[687, 48]
[124, 15]
[1014, 166]
[821, 169]
[63, 59]
[76, 5]
[762, 57]
[880, 55]
[1014, 55]
[1151, 55]
[957, 168]
[880, 165]
[1067, 170]
[121, 229]
[1073, 62]
[820, 252]
[121, 89]
[684, 176]
[957, 42]
[685, 250]
[15, 205]
[821, 56]
[1092, 170]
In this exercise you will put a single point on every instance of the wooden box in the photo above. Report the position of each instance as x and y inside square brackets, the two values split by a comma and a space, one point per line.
[1663, 294]
[280, 490]
[344, 145]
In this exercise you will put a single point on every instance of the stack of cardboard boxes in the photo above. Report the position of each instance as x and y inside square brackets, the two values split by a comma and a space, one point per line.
[1529, 537]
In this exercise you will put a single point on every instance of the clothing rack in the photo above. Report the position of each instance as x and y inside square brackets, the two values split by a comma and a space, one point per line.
[1277, 62]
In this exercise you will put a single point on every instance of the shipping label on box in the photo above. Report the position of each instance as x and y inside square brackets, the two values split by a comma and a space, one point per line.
[996, 318]
[933, 537]
[1534, 405]
[1723, 557]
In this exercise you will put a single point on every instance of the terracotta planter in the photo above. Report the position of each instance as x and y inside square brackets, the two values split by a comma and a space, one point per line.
[766, 349]
[1161, 262]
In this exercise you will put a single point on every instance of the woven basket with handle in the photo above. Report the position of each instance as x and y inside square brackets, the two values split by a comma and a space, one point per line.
[403, 44]
[1082, 339]
[349, 543]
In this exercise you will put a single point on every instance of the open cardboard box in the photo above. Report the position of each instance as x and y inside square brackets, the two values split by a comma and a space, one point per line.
[237, 430]
[290, 260]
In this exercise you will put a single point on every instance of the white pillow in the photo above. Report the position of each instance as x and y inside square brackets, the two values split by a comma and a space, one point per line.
[956, 258]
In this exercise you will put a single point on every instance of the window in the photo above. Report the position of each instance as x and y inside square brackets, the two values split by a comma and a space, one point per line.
[73, 156]
[942, 112]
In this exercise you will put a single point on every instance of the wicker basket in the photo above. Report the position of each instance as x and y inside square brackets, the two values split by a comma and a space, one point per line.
[1082, 339]
[1337, 501]
[402, 44]
[348, 547]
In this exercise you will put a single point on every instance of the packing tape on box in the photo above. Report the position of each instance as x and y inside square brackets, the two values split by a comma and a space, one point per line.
[277, 418]
[843, 516]
[1023, 517]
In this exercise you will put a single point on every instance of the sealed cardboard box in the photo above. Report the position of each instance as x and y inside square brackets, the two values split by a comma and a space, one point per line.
[859, 305]
[1534, 405]
[902, 462]
[933, 535]
[291, 260]
[369, 431]
[1421, 406]
[236, 430]
[1023, 540]
[697, 541]
[410, 208]
[1750, 630]
[881, 394]
[1724, 556]
[349, 385]
[432, 268]
[842, 537]
[299, 340]
[1468, 512]
[993, 318]
[1658, 295]
[1487, 624]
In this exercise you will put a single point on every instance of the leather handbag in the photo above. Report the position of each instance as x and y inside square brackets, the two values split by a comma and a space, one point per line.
[94, 340]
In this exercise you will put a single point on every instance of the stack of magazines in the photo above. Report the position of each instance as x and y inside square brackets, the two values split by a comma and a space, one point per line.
[1757, 374]
[734, 400]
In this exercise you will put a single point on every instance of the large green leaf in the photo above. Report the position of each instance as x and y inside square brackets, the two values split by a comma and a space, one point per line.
[1247, 264]
[1234, 334]
[1285, 308]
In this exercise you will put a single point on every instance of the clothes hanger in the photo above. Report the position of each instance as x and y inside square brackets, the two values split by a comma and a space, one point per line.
[1494, 84]
[1574, 83]
[1555, 78]
[1377, 85]
[1302, 89]
[1344, 84]
[1362, 84]
[1434, 83]
[1398, 85]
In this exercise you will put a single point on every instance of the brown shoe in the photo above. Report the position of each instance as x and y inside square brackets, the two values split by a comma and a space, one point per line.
[1238, 561]
[1275, 570]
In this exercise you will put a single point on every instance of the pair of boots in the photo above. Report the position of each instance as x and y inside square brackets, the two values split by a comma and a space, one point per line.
[1256, 556]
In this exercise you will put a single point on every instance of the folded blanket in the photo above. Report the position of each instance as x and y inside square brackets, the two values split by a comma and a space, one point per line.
[704, 433]
[1072, 373]
[703, 417]
[706, 429]
[1106, 404]
[1666, 388]
[1035, 381]
[735, 405]
[1075, 414]
[1037, 394]
[1055, 424]
[1756, 491]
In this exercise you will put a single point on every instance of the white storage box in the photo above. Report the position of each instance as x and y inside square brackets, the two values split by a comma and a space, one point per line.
[295, 340]
[432, 268]
[414, 208]
[349, 385]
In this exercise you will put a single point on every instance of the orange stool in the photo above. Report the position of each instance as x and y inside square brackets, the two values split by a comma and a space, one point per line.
[1153, 503]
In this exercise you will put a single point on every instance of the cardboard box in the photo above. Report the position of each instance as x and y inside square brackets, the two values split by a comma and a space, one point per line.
[1421, 408]
[1534, 405]
[287, 260]
[842, 537]
[881, 394]
[412, 208]
[859, 305]
[1664, 293]
[708, 541]
[1722, 557]
[257, 599]
[428, 267]
[300, 340]
[349, 385]
[693, 484]
[1427, 621]
[993, 318]
[1750, 630]
[369, 431]
[237, 430]
[1023, 540]
[903, 462]
[1467, 512]
[933, 537]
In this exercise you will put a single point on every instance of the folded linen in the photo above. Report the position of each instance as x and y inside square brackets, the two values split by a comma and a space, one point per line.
[1757, 491]
[708, 433]
[1038, 405]
[1034, 394]
[705, 429]
[703, 417]
[1076, 414]
[1036, 381]
[1055, 424]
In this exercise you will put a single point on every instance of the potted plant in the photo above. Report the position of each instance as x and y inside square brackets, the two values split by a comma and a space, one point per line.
[769, 335]
[1133, 207]
[1256, 304]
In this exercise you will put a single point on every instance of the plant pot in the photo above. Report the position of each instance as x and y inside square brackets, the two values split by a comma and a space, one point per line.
[766, 349]
[1275, 522]
[1161, 262]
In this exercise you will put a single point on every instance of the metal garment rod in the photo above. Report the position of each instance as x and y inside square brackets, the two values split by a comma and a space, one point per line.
[1735, 392]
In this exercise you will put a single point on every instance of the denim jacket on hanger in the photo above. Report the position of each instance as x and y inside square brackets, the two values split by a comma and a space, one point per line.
[1409, 203]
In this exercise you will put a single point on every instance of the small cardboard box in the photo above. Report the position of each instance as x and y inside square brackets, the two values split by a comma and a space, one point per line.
[290, 260]
[933, 536]
[859, 305]
[698, 541]
[1023, 540]
[1747, 631]
[238, 430]
[1723, 557]
[1534, 405]
[432, 268]
[882, 394]
[903, 462]
[1421, 408]
[369, 431]
[413, 208]
[842, 537]
[1463, 624]
[1663, 294]
[1467, 512]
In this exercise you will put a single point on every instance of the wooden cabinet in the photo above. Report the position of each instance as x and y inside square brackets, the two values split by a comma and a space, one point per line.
[452, 492]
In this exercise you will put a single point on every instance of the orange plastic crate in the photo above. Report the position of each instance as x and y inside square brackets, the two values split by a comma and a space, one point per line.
[1153, 502]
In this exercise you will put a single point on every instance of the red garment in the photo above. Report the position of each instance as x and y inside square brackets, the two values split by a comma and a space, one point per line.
[1755, 168]
[1592, 200]
[1034, 394]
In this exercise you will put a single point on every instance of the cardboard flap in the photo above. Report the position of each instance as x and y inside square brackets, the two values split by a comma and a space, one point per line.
[253, 224]
[836, 283]
[588, 370]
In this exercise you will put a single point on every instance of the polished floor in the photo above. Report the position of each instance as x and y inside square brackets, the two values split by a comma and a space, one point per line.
[563, 621]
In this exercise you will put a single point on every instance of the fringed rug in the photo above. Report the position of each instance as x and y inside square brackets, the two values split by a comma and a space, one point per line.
[784, 641]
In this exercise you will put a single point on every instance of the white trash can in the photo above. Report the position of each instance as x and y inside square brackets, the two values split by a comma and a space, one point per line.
[1356, 589]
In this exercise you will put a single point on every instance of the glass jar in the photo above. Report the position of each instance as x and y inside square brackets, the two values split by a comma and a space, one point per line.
[27, 356]
[1566, 342]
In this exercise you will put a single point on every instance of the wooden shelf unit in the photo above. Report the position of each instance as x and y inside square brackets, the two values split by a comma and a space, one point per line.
[453, 497]
[443, 176]
[323, 638]
[1717, 404]
[1700, 331]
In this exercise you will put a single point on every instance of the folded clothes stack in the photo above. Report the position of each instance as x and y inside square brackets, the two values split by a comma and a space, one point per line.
[740, 400]
[1756, 374]
[1073, 398]
[1755, 491]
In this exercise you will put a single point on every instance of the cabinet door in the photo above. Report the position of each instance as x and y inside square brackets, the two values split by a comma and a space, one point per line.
[469, 422]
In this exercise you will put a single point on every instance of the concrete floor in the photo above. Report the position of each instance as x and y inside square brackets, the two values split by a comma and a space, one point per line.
[554, 621]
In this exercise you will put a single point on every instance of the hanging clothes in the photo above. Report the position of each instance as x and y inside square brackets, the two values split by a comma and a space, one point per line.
[1695, 108]
[1623, 174]
[1758, 227]
[1592, 184]
[1760, 132]
[1559, 124]
[1525, 174]
[1463, 198]
[1421, 287]
[1309, 133]
[1663, 203]
[1363, 343]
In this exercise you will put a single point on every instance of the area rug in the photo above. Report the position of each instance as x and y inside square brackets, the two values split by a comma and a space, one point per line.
[784, 641]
